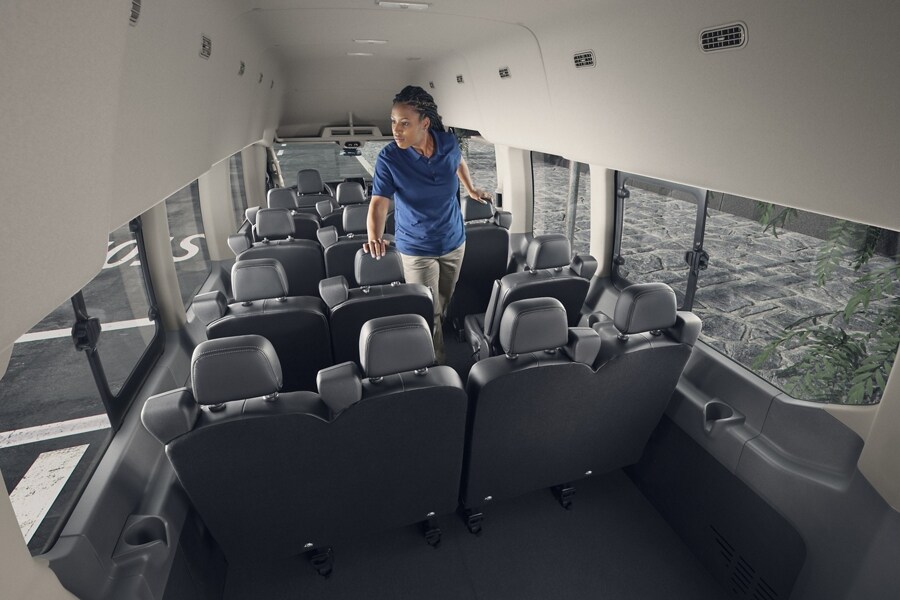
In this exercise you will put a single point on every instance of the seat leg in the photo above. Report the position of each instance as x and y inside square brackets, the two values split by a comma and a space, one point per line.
[322, 560]
[432, 531]
[564, 494]
[473, 519]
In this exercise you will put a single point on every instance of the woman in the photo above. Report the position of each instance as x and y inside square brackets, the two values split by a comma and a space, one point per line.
[421, 170]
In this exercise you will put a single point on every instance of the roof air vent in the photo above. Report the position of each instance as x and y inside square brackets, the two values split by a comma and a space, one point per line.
[504, 72]
[584, 59]
[459, 79]
[206, 47]
[242, 69]
[135, 12]
[431, 84]
[723, 37]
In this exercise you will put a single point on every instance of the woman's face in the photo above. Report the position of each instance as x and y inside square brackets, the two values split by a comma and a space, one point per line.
[408, 128]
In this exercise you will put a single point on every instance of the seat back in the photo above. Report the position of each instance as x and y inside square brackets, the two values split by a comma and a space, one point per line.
[643, 351]
[533, 411]
[232, 441]
[301, 259]
[381, 292]
[310, 189]
[340, 250]
[366, 454]
[297, 326]
[348, 193]
[551, 273]
[485, 261]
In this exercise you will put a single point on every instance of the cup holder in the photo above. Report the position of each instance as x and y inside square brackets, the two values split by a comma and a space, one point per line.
[145, 529]
[717, 412]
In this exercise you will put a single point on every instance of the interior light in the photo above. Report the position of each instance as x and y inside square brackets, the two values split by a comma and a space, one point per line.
[402, 5]
[370, 41]
[360, 54]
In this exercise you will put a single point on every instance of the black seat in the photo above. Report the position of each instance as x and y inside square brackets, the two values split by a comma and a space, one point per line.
[532, 411]
[301, 259]
[311, 190]
[273, 474]
[306, 221]
[340, 250]
[296, 325]
[485, 261]
[348, 192]
[381, 292]
[552, 272]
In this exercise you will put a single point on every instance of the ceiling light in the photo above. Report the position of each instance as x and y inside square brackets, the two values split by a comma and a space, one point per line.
[370, 41]
[402, 5]
[360, 54]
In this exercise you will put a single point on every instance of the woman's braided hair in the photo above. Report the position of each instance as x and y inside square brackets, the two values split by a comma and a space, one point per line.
[421, 102]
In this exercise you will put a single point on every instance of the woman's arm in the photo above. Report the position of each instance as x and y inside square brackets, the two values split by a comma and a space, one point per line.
[462, 171]
[378, 207]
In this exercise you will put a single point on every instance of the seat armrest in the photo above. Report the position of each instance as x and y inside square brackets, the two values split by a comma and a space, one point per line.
[210, 306]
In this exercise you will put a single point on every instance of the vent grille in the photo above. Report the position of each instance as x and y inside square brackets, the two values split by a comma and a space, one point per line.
[135, 12]
[745, 581]
[724, 37]
[205, 47]
[584, 59]
[260, 78]
[431, 84]
[459, 79]
[504, 72]
[242, 69]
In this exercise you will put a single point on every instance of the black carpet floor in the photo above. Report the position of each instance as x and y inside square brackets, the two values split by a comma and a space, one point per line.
[611, 545]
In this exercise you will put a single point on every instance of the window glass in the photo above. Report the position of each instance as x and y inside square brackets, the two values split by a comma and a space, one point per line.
[657, 229]
[238, 193]
[482, 162]
[192, 264]
[327, 158]
[53, 424]
[551, 196]
[810, 303]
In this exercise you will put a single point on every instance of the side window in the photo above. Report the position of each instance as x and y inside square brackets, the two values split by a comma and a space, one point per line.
[554, 177]
[192, 264]
[57, 404]
[657, 229]
[481, 159]
[808, 302]
[238, 192]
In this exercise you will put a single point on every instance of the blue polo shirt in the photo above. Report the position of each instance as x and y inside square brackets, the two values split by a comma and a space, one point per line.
[427, 218]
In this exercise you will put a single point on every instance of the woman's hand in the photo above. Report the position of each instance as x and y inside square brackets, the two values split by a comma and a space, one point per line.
[480, 195]
[377, 248]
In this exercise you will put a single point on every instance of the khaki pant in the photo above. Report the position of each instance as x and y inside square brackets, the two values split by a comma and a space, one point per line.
[440, 273]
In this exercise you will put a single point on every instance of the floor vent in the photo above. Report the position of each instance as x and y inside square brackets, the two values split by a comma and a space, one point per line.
[724, 37]
[743, 579]
[242, 69]
[135, 12]
[206, 47]
[504, 72]
[584, 59]
[459, 79]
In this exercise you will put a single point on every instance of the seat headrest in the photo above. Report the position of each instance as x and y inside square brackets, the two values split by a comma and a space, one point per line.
[234, 368]
[369, 271]
[281, 198]
[350, 192]
[389, 345]
[309, 182]
[257, 279]
[473, 210]
[548, 251]
[274, 223]
[532, 325]
[645, 307]
[356, 218]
